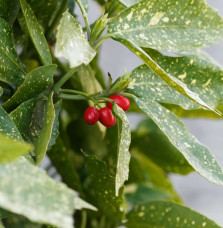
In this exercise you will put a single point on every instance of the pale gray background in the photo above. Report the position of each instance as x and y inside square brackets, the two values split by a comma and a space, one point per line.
[196, 192]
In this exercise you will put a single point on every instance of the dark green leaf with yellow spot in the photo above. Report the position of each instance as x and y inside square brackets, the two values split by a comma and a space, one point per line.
[157, 213]
[170, 26]
[35, 83]
[168, 78]
[41, 144]
[198, 156]
[150, 140]
[200, 74]
[10, 69]
[102, 189]
[9, 10]
[36, 33]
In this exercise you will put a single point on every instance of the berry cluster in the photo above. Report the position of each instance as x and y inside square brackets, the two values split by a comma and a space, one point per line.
[105, 115]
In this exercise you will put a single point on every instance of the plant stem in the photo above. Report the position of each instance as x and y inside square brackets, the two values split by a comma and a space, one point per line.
[57, 18]
[64, 79]
[75, 97]
[71, 97]
[84, 219]
[100, 40]
[85, 16]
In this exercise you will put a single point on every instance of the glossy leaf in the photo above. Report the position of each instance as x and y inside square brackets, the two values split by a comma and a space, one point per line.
[150, 140]
[55, 201]
[102, 189]
[170, 26]
[36, 33]
[199, 74]
[9, 10]
[59, 156]
[124, 140]
[160, 213]
[35, 83]
[8, 127]
[141, 193]
[199, 157]
[168, 78]
[10, 69]
[41, 144]
[29, 118]
[11, 149]
[45, 11]
[144, 171]
[71, 42]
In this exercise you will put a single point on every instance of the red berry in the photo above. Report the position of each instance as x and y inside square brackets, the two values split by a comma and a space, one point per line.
[106, 117]
[91, 115]
[121, 101]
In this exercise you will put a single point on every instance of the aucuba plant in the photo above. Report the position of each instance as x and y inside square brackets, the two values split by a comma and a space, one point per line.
[56, 105]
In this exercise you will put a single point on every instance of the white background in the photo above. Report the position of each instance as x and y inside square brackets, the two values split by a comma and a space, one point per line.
[196, 192]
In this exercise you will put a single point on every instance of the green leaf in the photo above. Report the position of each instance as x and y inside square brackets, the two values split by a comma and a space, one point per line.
[200, 74]
[168, 78]
[124, 140]
[35, 83]
[142, 193]
[71, 42]
[10, 69]
[170, 26]
[102, 189]
[9, 10]
[166, 214]
[36, 33]
[59, 155]
[199, 157]
[1, 225]
[150, 140]
[8, 127]
[42, 142]
[128, 3]
[45, 11]
[40, 199]
[29, 118]
[144, 171]
[11, 149]
[20, 222]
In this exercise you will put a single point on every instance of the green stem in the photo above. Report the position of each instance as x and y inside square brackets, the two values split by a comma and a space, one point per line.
[64, 79]
[71, 97]
[85, 16]
[100, 41]
[84, 219]
[57, 18]
[73, 92]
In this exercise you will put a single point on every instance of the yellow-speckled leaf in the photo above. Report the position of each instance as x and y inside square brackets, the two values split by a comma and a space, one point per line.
[71, 42]
[170, 26]
[36, 33]
[10, 68]
[41, 144]
[9, 10]
[199, 74]
[102, 189]
[11, 149]
[198, 156]
[27, 190]
[35, 83]
[157, 213]
[168, 78]
[8, 127]
[128, 3]
[124, 140]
